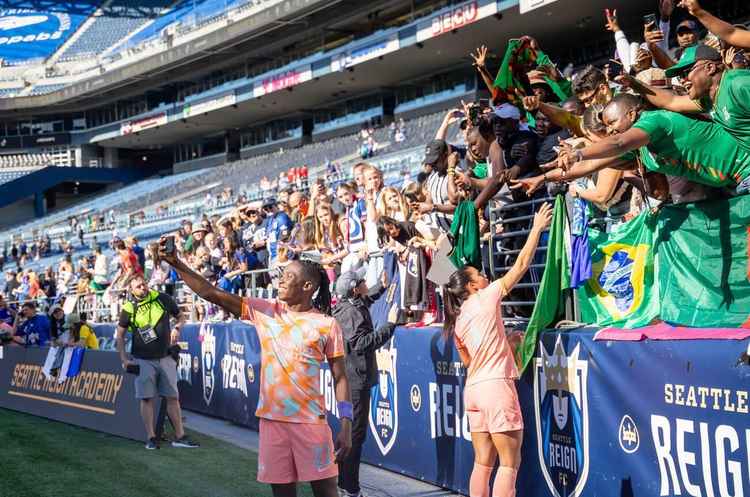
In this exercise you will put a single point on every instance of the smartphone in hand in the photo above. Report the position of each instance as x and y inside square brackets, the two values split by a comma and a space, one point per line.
[169, 245]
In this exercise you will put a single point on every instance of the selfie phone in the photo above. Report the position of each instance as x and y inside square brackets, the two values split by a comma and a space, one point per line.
[474, 114]
[649, 19]
[458, 113]
[614, 69]
[169, 244]
[484, 103]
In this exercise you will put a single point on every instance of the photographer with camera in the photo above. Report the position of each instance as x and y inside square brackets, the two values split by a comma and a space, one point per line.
[146, 314]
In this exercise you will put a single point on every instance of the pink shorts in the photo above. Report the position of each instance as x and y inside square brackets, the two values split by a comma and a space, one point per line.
[293, 452]
[492, 406]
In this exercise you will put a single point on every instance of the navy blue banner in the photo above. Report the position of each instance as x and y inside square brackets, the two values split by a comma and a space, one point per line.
[601, 418]
[31, 34]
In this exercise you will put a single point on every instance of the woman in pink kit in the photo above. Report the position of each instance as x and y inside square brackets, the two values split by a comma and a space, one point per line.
[474, 318]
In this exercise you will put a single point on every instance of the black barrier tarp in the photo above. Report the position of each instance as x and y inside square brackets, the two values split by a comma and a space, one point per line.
[101, 397]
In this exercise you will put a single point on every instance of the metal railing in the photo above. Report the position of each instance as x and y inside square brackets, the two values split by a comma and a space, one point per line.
[510, 224]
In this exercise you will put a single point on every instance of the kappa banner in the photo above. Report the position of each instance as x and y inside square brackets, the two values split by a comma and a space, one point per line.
[622, 290]
[28, 33]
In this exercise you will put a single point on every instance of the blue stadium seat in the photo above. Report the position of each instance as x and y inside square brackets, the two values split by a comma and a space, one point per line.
[114, 23]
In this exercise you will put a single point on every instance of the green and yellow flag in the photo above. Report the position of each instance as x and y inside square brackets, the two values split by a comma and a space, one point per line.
[623, 290]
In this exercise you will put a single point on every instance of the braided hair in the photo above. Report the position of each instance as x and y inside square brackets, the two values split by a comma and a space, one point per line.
[314, 273]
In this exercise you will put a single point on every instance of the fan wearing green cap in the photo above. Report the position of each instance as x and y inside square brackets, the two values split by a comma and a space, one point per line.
[667, 142]
[722, 93]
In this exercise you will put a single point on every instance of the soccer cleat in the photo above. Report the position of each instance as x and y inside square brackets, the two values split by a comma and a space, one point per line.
[152, 444]
[185, 443]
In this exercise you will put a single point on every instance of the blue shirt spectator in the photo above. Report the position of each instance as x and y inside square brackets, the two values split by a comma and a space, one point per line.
[35, 330]
[278, 226]
[7, 315]
[244, 256]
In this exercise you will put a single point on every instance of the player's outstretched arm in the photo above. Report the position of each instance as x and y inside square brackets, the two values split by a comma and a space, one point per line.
[200, 285]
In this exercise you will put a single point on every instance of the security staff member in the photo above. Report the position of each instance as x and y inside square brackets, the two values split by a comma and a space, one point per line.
[146, 315]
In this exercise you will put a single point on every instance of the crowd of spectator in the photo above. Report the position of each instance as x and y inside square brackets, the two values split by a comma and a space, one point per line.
[621, 137]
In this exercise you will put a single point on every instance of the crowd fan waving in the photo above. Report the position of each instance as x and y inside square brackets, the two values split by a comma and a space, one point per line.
[656, 124]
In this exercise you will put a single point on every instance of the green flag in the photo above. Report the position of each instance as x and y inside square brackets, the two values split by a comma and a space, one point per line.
[511, 82]
[465, 232]
[704, 263]
[562, 88]
[550, 303]
[622, 290]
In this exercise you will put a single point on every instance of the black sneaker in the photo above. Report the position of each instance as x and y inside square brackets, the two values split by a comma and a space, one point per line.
[152, 444]
[185, 443]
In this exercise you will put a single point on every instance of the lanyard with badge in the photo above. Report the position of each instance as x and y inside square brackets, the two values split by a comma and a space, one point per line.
[147, 332]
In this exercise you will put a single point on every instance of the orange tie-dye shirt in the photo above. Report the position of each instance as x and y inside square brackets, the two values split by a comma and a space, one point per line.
[293, 346]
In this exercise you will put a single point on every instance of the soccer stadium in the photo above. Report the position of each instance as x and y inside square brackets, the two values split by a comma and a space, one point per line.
[484, 248]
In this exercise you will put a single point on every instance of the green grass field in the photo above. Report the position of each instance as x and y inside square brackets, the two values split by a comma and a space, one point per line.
[43, 458]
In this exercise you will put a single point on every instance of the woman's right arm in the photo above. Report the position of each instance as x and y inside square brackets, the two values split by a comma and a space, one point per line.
[542, 220]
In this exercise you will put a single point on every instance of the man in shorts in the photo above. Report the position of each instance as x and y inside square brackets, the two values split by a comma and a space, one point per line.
[146, 315]
[295, 336]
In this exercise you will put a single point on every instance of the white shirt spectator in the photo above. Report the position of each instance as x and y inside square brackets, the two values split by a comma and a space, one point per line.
[437, 186]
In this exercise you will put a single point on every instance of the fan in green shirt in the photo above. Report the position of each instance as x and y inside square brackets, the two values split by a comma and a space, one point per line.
[722, 93]
[667, 142]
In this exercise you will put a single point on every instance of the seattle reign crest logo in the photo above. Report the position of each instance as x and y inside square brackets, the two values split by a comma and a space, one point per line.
[384, 400]
[562, 420]
[208, 361]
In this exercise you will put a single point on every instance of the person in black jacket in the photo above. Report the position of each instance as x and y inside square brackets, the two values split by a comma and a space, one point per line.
[352, 312]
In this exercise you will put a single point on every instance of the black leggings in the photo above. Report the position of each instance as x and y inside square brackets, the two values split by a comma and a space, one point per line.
[349, 468]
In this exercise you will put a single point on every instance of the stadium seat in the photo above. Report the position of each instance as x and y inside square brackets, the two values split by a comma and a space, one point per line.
[112, 24]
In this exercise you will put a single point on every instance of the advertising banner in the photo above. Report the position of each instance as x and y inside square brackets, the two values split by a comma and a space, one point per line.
[455, 17]
[101, 397]
[27, 34]
[137, 125]
[529, 5]
[194, 109]
[282, 80]
[637, 419]
[363, 54]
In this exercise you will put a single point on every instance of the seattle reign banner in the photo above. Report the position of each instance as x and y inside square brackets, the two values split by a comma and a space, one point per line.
[625, 419]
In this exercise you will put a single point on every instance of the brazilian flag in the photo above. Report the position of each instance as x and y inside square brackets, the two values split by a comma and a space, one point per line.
[623, 289]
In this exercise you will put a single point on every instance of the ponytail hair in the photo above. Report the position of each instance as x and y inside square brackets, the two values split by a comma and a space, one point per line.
[318, 276]
[454, 294]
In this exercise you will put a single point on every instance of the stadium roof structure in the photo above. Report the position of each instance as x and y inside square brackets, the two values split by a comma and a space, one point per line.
[268, 35]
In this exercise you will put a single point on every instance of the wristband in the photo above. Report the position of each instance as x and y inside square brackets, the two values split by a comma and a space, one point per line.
[346, 410]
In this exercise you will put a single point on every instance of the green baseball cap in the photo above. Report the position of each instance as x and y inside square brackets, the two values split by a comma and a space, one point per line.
[690, 56]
